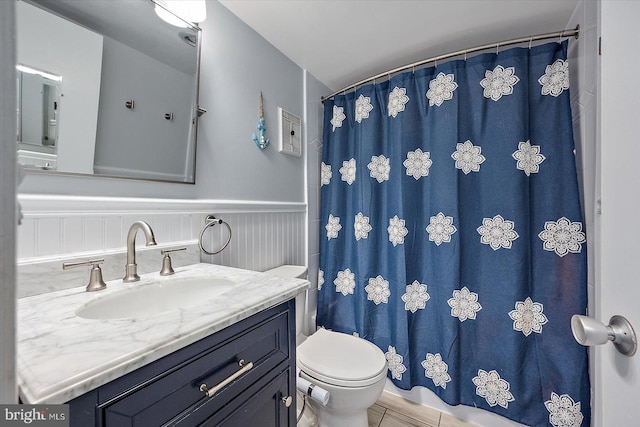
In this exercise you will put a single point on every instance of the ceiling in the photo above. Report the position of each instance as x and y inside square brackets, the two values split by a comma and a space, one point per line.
[343, 41]
[133, 23]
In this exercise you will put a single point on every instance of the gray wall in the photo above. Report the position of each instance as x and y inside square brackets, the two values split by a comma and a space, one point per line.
[125, 148]
[237, 64]
[52, 44]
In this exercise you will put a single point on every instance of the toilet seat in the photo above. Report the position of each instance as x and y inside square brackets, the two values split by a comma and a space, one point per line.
[341, 359]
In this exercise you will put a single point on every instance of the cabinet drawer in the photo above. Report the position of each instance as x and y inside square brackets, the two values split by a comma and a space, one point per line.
[159, 399]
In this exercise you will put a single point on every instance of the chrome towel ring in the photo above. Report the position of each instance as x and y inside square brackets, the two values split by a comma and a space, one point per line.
[210, 221]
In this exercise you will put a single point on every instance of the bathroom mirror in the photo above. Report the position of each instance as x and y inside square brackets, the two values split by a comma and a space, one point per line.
[106, 89]
[38, 99]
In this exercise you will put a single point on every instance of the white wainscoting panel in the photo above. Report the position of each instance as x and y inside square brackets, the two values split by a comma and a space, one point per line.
[260, 241]
[64, 228]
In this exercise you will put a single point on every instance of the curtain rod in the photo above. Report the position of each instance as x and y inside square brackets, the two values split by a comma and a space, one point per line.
[564, 33]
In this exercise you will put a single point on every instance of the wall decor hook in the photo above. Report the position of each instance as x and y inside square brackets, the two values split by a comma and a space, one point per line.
[261, 142]
[130, 104]
[168, 116]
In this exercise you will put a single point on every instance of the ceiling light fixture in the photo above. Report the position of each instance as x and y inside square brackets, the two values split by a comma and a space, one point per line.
[176, 12]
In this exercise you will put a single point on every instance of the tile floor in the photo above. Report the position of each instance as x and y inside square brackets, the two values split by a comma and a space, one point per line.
[393, 411]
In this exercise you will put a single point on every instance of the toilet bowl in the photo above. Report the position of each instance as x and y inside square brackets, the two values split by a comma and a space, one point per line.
[351, 369]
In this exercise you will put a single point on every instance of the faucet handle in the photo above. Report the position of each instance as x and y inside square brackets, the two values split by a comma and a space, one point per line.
[96, 282]
[167, 269]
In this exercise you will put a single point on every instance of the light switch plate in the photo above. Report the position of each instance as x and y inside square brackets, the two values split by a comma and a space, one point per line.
[290, 130]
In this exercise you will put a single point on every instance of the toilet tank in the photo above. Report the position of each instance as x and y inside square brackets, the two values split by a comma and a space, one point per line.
[299, 272]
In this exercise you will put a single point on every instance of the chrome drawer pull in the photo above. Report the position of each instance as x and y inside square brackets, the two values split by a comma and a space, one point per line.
[244, 367]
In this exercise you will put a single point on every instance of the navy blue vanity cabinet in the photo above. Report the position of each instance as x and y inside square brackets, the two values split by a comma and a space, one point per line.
[172, 390]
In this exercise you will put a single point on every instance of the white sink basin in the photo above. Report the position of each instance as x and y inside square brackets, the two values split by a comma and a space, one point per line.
[164, 295]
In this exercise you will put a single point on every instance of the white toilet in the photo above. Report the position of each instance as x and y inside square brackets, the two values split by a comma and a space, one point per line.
[351, 369]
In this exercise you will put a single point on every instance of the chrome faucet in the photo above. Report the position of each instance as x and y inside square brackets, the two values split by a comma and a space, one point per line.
[131, 269]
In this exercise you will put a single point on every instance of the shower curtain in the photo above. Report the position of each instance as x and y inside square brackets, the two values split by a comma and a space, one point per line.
[452, 232]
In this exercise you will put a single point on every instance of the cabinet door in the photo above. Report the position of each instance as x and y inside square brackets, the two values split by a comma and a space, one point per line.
[261, 405]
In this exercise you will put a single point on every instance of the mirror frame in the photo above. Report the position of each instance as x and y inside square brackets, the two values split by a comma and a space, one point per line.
[196, 112]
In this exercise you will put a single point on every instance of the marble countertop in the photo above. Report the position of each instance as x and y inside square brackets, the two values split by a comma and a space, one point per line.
[61, 356]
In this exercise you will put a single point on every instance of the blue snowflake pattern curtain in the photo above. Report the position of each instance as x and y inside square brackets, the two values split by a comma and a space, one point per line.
[452, 232]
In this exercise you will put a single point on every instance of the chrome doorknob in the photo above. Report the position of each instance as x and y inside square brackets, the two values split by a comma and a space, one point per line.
[589, 331]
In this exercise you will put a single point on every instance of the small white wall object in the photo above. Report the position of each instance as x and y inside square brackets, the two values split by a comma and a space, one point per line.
[290, 130]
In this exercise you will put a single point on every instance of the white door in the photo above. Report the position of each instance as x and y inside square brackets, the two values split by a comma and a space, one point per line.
[617, 400]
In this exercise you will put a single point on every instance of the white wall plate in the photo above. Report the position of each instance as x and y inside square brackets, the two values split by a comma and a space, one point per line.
[290, 131]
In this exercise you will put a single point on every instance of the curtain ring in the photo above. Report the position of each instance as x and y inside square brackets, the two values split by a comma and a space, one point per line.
[530, 40]
[210, 221]
[436, 62]
[497, 48]
[465, 56]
